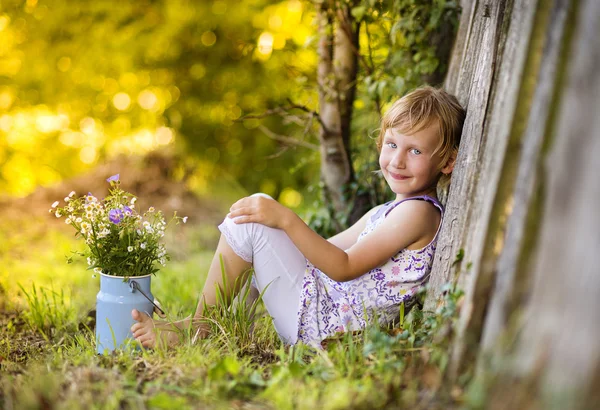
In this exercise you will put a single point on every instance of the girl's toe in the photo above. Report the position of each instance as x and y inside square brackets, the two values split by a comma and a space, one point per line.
[148, 344]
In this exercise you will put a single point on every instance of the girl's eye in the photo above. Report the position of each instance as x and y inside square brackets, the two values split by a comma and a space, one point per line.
[391, 145]
[415, 151]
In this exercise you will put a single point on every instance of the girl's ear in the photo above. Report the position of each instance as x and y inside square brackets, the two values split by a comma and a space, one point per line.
[449, 165]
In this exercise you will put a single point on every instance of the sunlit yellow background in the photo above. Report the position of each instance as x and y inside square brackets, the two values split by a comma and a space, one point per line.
[84, 82]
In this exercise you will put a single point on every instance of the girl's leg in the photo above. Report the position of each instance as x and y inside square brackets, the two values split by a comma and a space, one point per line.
[235, 269]
[278, 265]
[145, 330]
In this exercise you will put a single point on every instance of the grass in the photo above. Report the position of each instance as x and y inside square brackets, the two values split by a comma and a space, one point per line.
[48, 360]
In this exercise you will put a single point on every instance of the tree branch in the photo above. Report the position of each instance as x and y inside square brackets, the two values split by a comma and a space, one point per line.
[284, 112]
[287, 140]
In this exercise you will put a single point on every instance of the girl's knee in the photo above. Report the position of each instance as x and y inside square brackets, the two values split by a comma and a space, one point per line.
[262, 194]
[231, 226]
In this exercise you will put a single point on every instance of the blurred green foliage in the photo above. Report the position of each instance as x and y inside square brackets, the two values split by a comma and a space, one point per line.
[86, 81]
[82, 82]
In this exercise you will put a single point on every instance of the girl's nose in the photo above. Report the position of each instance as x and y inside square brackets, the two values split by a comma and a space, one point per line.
[398, 161]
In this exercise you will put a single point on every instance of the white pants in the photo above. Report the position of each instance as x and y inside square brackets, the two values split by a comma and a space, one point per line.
[278, 266]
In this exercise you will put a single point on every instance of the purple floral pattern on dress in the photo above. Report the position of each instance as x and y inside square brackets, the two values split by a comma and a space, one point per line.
[328, 307]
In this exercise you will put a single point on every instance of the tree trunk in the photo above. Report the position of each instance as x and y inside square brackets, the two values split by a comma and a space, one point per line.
[336, 76]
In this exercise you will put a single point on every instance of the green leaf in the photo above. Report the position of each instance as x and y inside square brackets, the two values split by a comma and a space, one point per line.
[358, 12]
[296, 369]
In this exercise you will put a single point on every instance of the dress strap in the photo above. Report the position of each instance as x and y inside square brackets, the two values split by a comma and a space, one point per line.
[380, 211]
[427, 198]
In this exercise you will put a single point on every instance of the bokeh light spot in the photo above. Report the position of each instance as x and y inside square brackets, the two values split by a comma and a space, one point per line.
[87, 155]
[72, 139]
[265, 44]
[128, 80]
[294, 6]
[208, 38]
[121, 101]
[164, 135]
[234, 146]
[18, 168]
[275, 22]
[197, 71]
[279, 41]
[268, 187]
[147, 100]
[111, 86]
[6, 122]
[87, 125]
[6, 100]
[50, 123]
[4, 20]
[358, 104]
[290, 197]
[63, 64]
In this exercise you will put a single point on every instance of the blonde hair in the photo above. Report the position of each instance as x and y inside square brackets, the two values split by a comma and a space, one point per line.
[422, 108]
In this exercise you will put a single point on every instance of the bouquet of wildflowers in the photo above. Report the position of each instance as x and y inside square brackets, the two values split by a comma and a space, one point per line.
[120, 240]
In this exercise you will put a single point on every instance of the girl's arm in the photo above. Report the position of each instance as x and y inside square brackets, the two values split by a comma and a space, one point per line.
[345, 239]
[408, 223]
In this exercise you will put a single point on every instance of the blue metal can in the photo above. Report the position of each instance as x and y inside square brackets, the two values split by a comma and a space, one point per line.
[118, 296]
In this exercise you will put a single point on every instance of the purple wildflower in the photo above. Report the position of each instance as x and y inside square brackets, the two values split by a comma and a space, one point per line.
[114, 178]
[115, 216]
[128, 210]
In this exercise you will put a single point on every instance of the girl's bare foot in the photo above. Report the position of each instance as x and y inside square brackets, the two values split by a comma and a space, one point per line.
[147, 331]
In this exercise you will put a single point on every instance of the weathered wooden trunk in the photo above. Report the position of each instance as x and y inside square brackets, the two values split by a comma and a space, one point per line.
[522, 204]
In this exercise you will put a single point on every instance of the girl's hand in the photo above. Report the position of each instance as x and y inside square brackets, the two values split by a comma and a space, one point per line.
[265, 211]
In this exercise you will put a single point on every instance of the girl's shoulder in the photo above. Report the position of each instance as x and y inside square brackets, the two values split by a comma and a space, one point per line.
[422, 216]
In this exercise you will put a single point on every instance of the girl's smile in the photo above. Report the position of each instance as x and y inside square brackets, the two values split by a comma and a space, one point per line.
[398, 176]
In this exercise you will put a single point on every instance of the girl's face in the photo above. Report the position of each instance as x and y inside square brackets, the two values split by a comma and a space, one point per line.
[409, 164]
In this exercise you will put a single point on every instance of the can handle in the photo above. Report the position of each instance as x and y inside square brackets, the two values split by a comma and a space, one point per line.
[135, 286]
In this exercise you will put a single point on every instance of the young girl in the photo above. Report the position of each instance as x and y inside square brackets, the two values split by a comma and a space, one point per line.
[317, 287]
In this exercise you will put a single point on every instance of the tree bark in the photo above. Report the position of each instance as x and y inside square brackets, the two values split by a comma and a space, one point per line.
[338, 50]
